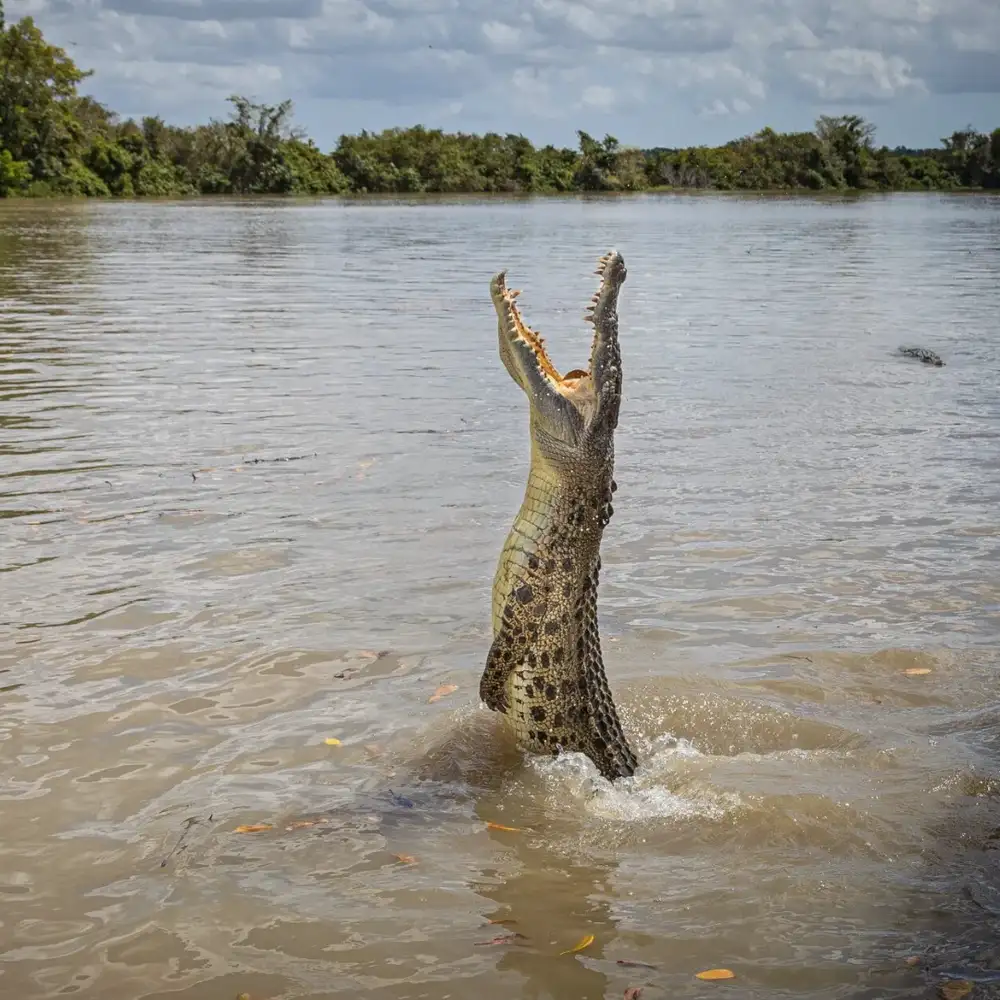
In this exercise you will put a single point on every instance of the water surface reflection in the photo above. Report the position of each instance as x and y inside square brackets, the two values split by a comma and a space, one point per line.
[257, 460]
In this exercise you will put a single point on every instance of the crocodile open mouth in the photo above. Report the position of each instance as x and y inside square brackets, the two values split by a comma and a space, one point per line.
[517, 328]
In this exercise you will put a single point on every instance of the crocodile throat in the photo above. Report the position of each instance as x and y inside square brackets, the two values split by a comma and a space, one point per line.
[544, 670]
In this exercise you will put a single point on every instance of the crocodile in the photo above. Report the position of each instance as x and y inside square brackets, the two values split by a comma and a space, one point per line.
[544, 670]
[922, 354]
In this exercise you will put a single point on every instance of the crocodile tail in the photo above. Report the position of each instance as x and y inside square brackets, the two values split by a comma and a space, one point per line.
[613, 758]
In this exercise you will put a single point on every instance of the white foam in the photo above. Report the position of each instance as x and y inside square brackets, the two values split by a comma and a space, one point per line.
[636, 799]
[639, 804]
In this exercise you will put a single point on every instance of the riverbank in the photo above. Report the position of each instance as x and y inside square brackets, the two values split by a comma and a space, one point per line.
[475, 198]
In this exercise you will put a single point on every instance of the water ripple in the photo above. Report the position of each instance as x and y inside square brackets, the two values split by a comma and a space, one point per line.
[257, 459]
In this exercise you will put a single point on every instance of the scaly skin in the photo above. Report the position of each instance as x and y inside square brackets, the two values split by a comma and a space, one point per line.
[544, 670]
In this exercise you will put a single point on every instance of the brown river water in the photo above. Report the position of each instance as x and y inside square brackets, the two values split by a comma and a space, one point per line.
[258, 460]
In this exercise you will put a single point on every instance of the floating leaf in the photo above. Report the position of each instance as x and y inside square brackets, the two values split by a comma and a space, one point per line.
[500, 826]
[243, 996]
[916, 671]
[635, 965]
[955, 990]
[912, 960]
[253, 828]
[503, 921]
[332, 741]
[716, 974]
[442, 691]
[407, 859]
[633, 993]
[584, 942]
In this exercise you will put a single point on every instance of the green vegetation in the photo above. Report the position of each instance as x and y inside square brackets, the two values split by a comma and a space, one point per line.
[55, 141]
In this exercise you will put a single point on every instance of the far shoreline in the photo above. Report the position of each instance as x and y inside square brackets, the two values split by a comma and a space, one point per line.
[477, 197]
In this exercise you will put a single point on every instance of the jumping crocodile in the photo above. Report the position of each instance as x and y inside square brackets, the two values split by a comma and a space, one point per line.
[544, 669]
[922, 354]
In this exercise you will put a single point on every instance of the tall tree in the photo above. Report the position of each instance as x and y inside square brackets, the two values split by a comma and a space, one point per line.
[849, 140]
[38, 82]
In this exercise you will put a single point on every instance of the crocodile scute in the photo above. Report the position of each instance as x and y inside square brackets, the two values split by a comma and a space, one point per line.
[544, 670]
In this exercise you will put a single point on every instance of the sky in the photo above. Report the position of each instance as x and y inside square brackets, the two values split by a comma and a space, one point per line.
[650, 72]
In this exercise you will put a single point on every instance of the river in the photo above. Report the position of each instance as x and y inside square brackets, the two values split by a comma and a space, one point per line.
[258, 461]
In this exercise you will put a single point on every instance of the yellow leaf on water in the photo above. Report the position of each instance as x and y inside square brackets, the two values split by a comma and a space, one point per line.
[584, 942]
[253, 828]
[916, 671]
[407, 859]
[442, 691]
[956, 989]
[716, 974]
[332, 741]
[500, 826]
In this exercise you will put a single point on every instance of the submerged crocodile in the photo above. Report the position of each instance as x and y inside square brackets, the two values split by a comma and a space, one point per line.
[922, 354]
[544, 670]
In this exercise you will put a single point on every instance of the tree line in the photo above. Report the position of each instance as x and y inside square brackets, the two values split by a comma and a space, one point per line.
[55, 141]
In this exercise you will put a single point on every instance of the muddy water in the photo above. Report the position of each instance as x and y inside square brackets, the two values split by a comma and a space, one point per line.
[258, 460]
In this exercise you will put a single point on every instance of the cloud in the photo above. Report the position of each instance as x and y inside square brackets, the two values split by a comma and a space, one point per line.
[850, 74]
[545, 67]
[220, 10]
[596, 96]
